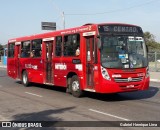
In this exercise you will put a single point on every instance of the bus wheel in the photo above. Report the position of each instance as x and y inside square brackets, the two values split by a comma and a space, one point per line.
[25, 80]
[68, 89]
[75, 87]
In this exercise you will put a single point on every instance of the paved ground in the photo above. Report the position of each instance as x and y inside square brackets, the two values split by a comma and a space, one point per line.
[48, 103]
[155, 76]
[2, 66]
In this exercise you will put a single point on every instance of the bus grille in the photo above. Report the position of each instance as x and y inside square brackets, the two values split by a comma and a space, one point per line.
[130, 79]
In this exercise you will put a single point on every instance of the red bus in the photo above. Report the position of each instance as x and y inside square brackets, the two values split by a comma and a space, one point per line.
[101, 58]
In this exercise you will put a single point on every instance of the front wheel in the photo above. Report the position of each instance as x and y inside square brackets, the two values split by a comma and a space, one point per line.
[75, 87]
[25, 80]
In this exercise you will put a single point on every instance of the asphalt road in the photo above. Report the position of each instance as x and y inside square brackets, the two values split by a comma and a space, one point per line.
[48, 103]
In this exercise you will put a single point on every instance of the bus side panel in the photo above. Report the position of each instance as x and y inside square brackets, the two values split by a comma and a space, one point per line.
[64, 67]
[34, 68]
[60, 70]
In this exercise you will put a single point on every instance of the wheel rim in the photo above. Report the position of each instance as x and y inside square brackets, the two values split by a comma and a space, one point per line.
[75, 86]
[24, 79]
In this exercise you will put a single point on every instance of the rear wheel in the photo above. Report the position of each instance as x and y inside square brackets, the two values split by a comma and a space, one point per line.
[68, 89]
[25, 80]
[75, 87]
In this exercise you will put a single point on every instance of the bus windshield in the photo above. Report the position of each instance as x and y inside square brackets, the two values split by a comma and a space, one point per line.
[123, 51]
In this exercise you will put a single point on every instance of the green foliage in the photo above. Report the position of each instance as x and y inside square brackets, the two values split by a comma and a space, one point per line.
[151, 43]
[1, 49]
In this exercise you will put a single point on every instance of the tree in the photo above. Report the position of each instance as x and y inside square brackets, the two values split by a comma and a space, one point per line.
[1, 49]
[150, 41]
[149, 37]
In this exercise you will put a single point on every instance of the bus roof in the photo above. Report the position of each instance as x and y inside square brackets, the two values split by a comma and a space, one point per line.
[80, 29]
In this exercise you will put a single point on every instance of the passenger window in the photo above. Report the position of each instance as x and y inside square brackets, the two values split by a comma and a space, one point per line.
[25, 49]
[71, 45]
[58, 46]
[36, 50]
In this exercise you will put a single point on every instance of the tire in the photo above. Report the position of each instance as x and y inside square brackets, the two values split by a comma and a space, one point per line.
[75, 87]
[25, 80]
[68, 89]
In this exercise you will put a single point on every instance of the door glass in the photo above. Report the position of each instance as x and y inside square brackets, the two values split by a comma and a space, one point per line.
[90, 61]
[48, 66]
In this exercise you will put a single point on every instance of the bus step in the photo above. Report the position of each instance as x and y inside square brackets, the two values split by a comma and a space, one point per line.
[90, 90]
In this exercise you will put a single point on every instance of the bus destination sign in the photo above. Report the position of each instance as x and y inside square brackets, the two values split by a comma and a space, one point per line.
[119, 29]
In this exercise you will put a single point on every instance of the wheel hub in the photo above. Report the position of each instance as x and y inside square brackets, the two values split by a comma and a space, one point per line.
[75, 86]
[24, 79]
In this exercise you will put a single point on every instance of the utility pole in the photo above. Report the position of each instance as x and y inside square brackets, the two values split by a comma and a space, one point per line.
[63, 17]
[61, 13]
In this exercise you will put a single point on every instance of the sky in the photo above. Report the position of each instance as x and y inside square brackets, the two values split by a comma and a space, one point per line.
[23, 17]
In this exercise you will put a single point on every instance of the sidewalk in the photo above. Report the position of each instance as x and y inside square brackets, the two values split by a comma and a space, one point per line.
[154, 76]
[2, 66]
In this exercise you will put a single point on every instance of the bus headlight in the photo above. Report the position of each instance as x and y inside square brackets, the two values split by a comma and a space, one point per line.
[105, 74]
[147, 72]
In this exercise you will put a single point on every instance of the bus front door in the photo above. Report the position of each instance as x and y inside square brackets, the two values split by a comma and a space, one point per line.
[90, 62]
[48, 62]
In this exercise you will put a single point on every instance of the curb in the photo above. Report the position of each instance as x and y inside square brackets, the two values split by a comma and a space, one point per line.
[155, 80]
[3, 66]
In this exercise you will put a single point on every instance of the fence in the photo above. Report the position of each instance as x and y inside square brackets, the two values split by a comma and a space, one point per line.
[154, 61]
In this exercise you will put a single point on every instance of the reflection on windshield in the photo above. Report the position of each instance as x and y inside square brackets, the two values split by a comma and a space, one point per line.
[123, 52]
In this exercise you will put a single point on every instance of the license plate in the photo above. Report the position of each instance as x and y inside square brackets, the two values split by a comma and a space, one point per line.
[130, 86]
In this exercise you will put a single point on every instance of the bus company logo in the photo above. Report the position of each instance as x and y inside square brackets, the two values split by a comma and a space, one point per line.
[30, 66]
[82, 29]
[129, 79]
[60, 66]
[116, 76]
[79, 67]
[6, 124]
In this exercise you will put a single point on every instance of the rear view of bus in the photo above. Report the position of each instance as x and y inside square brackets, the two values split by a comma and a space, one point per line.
[123, 58]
